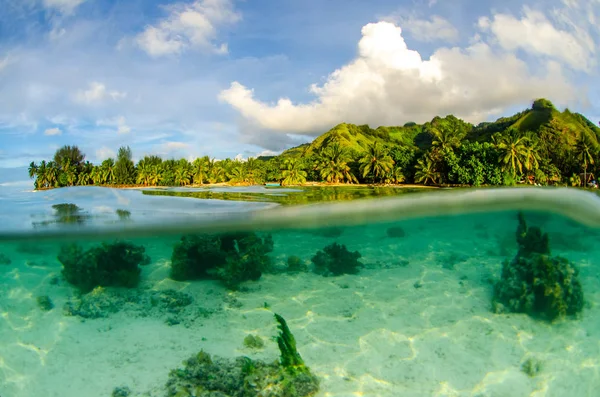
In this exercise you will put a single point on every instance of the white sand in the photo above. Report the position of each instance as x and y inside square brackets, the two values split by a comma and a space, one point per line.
[371, 334]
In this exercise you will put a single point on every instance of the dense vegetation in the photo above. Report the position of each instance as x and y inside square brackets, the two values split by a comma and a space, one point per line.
[540, 145]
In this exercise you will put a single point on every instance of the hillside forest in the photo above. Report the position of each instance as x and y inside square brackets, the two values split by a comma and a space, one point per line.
[539, 145]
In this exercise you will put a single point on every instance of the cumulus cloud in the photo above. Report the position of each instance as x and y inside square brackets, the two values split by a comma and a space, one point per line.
[53, 131]
[118, 122]
[428, 30]
[104, 153]
[64, 6]
[97, 93]
[536, 34]
[390, 84]
[189, 26]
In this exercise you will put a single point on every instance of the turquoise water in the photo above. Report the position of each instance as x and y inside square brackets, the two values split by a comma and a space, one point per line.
[424, 308]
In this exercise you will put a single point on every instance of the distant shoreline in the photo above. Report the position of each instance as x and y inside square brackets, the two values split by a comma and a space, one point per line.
[225, 184]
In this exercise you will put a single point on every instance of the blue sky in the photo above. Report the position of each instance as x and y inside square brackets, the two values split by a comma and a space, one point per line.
[231, 77]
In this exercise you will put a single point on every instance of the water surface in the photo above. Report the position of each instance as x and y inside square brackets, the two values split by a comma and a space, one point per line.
[413, 318]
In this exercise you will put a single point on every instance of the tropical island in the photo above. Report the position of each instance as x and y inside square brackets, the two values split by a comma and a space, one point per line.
[540, 145]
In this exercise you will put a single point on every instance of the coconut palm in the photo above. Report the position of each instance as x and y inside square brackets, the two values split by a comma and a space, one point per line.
[332, 163]
[155, 175]
[425, 171]
[376, 162]
[33, 168]
[200, 169]
[292, 172]
[108, 171]
[182, 173]
[513, 151]
[585, 150]
[395, 175]
[238, 173]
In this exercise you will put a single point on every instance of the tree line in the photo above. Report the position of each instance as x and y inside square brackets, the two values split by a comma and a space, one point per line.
[453, 155]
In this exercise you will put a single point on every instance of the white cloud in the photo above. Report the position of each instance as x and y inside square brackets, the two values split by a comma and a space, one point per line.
[53, 131]
[64, 6]
[118, 122]
[104, 153]
[536, 34]
[170, 146]
[436, 28]
[189, 26]
[97, 93]
[389, 84]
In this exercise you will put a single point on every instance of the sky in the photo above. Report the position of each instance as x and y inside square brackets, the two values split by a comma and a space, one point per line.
[241, 78]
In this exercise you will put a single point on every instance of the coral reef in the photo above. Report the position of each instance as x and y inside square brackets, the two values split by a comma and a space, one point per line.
[295, 264]
[335, 259]
[535, 282]
[231, 257]
[102, 302]
[45, 303]
[110, 264]
[206, 376]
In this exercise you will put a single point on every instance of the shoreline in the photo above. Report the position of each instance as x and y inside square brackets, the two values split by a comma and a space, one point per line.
[226, 184]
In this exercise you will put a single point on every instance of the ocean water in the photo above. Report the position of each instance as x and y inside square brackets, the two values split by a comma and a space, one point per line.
[398, 296]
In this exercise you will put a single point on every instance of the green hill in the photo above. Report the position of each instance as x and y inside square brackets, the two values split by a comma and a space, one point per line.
[542, 119]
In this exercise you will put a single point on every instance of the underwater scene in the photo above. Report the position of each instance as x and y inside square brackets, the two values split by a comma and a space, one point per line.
[489, 292]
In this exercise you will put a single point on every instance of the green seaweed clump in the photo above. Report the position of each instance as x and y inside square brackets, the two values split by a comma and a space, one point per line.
[531, 367]
[206, 376]
[296, 264]
[230, 257]
[335, 260]
[45, 303]
[253, 342]
[535, 282]
[110, 264]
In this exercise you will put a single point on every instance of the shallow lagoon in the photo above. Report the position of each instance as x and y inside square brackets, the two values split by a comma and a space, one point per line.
[415, 320]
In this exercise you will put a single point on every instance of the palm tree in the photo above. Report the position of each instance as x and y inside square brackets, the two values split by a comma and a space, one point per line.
[216, 171]
[585, 149]
[83, 178]
[200, 169]
[51, 174]
[395, 175]
[445, 138]
[237, 173]
[143, 172]
[154, 175]
[33, 169]
[425, 171]
[376, 162]
[292, 172]
[332, 163]
[532, 153]
[182, 173]
[97, 176]
[513, 151]
[69, 172]
[41, 180]
[108, 171]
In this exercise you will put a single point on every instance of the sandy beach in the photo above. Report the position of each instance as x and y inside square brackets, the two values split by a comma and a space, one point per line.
[416, 320]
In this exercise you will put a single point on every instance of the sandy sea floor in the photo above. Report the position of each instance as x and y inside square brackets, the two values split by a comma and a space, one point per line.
[416, 320]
